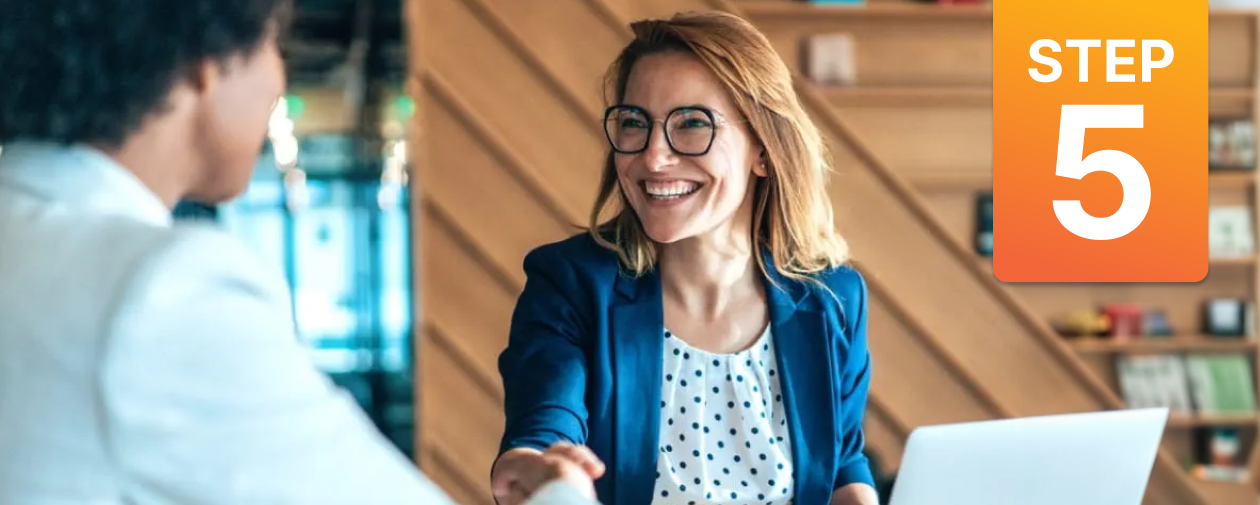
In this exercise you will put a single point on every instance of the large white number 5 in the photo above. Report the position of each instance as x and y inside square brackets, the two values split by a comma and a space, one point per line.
[1133, 179]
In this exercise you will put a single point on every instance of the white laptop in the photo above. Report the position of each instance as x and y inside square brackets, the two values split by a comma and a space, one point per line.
[1096, 458]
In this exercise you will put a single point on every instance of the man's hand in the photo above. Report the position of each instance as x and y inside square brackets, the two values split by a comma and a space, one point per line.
[855, 494]
[520, 472]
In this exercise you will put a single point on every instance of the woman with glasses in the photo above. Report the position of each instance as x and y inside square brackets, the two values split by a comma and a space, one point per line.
[704, 342]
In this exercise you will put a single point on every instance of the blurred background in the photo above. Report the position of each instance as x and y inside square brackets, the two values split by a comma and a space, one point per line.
[425, 146]
[330, 204]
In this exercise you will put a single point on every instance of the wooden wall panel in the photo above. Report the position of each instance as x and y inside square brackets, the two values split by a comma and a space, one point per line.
[443, 472]
[1227, 65]
[579, 66]
[948, 297]
[485, 193]
[885, 441]
[900, 52]
[463, 425]
[560, 146]
[640, 9]
[468, 300]
[458, 442]
[905, 373]
[957, 212]
[925, 140]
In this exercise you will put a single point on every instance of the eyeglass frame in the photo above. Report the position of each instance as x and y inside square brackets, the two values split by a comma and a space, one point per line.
[714, 117]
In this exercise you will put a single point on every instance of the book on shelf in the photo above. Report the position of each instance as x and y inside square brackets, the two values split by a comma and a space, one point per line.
[1221, 384]
[1232, 145]
[1218, 455]
[1220, 473]
[1230, 232]
[1148, 381]
[1229, 318]
[1189, 385]
[831, 59]
[984, 224]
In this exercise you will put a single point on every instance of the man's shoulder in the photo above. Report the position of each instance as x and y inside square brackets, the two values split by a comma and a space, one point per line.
[192, 256]
[94, 270]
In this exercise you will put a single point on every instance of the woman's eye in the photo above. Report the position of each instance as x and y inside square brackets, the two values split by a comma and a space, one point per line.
[695, 123]
[633, 123]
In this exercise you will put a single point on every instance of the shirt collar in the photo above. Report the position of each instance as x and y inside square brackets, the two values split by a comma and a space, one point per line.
[81, 177]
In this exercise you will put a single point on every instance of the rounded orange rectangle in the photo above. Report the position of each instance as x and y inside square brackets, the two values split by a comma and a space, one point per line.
[1100, 169]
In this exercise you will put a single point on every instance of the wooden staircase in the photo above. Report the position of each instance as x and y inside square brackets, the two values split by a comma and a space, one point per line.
[508, 156]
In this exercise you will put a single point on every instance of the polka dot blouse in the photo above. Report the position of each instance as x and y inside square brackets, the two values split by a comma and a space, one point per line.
[724, 434]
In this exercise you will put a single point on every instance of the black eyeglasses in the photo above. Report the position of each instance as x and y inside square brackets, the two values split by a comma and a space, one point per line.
[689, 131]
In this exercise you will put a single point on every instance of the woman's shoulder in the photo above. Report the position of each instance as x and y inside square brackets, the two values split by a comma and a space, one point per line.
[845, 281]
[845, 287]
[576, 255]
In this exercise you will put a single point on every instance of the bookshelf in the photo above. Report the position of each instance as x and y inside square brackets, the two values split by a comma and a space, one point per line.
[1183, 421]
[976, 181]
[922, 101]
[1173, 344]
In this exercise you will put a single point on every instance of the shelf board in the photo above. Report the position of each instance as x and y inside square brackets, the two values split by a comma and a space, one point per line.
[946, 180]
[908, 96]
[984, 180]
[1226, 493]
[1237, 92]
[1230, 179]
[1233, 12]
[788, 10]
[1238, 261]
[1195, 421]
[954, 96]
[1174, 344]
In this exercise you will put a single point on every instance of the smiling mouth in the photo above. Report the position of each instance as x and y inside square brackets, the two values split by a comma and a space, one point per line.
[669, 190]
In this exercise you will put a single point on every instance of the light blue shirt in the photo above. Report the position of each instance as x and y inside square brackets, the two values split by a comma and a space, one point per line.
[148, 363]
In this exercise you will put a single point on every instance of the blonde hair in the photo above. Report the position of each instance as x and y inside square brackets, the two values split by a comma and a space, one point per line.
[792, 215]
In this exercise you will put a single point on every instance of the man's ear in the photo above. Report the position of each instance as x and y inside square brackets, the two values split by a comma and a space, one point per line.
[203, 77]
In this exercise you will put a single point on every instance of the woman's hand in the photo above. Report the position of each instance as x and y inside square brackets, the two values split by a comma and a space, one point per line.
[519, 473]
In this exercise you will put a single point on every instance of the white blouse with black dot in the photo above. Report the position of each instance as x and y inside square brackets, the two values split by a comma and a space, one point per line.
[724, 434]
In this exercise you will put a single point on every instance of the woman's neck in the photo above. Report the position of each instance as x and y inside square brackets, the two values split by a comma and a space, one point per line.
[706, 275]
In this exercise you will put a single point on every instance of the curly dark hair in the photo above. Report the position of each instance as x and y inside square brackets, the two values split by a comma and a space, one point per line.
[91, 71]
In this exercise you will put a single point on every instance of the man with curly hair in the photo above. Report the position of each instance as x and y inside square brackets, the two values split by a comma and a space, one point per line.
[142, 361]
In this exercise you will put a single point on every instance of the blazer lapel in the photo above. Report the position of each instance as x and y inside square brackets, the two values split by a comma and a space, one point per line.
[638, 343]
[800, 341]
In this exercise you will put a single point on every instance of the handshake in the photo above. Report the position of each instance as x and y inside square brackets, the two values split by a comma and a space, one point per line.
[519, 474]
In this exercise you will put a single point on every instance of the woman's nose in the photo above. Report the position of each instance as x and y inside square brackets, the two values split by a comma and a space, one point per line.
[658, 154]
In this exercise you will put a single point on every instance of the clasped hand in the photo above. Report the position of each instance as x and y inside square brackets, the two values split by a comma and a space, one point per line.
[519, 473]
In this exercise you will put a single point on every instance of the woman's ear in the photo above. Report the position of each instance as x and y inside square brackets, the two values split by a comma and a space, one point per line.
[760, 168]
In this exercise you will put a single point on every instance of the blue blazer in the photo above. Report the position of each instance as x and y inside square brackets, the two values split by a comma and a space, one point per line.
[584, 357]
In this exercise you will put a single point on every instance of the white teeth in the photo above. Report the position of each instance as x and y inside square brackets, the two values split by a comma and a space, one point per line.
[670, 189]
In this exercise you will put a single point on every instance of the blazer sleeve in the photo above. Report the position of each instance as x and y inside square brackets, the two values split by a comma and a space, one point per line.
[854, 381]
[544, 366]
[209, 398]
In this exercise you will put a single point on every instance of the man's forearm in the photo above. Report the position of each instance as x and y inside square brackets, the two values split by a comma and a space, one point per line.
[855, 494]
